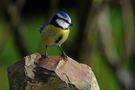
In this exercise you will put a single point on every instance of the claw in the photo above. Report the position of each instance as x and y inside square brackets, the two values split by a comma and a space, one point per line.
[64, 56]
[46, 55]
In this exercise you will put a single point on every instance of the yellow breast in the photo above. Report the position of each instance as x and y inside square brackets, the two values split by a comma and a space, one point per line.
[53, 35]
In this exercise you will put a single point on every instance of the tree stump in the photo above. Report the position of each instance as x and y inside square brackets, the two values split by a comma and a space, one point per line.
[35, 72]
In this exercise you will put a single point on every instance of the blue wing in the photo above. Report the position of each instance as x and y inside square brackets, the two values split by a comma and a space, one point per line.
[42, 28]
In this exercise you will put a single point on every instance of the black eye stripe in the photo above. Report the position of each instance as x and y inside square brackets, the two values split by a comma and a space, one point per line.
[64, 20]
[53, 22]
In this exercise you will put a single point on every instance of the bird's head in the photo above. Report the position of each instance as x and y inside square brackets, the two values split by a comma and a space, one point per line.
[61, 19]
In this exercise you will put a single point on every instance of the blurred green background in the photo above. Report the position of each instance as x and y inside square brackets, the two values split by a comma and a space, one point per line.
[102, 36]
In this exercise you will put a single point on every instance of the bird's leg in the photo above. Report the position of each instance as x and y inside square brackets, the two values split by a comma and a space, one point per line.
[46, 54]
[63, 55]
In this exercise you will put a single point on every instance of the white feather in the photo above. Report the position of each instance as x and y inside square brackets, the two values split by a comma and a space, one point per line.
[62, 23]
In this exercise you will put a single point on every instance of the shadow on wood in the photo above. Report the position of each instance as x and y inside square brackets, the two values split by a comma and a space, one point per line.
[54, 73]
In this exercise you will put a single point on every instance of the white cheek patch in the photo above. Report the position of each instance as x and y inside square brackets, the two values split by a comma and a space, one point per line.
[62, 23]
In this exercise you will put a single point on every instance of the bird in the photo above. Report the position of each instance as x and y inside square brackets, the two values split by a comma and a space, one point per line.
[55, 32]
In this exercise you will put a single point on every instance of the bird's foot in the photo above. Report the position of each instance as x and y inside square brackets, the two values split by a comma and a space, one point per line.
[45, 56]
[64, 56]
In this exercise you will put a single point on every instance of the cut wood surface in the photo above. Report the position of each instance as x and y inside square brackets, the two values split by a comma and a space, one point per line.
[35, 72]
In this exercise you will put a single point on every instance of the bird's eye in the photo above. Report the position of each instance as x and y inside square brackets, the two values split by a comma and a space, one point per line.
[62, 23]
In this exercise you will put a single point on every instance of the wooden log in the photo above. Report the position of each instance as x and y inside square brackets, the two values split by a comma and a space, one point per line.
[34, 72]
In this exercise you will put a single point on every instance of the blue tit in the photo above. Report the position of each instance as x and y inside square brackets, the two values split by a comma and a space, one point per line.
[56, 32]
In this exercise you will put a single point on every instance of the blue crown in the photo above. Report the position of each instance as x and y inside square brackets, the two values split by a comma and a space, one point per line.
[60, 16]
[64, 16]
